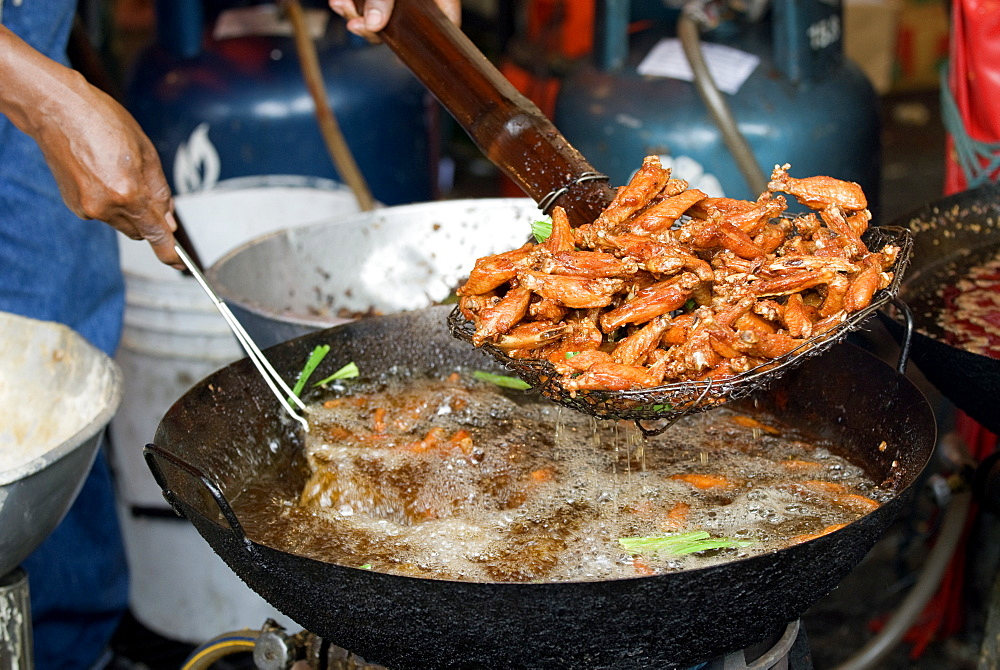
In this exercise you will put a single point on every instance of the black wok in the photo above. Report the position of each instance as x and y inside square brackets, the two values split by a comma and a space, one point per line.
[228, 429]
[948, 235]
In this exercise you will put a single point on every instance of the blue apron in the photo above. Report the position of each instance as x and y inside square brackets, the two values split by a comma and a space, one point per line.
[57, 267]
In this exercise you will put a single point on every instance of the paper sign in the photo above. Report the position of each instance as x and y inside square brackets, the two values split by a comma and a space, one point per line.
[729, 67]
[266, 20]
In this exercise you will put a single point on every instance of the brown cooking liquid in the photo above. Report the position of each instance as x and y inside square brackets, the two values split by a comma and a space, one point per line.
[459, 479]
[971, 314]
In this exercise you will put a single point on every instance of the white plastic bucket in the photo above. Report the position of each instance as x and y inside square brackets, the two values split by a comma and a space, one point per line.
[174, 336]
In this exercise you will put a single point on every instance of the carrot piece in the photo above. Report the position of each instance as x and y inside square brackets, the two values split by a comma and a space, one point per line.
[676, 517]
[799, 539]
[748, 422]
[543, 475]
[641, 566]
[841, 495]
[431, 440]
[857, 502]
[800, 465]
[700, 481]
[461, 440]
[825, 487]
[378, 421]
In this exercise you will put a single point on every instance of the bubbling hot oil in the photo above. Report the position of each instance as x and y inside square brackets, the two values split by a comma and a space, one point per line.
[453, 478]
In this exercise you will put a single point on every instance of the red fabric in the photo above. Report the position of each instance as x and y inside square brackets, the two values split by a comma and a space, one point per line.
[562, 30]
[980, 441]
[563, 27]
[974, 84]
[974, 78]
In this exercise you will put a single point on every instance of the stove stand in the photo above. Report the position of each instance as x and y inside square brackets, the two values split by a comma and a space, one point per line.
[275, 650]
[789, 652]
[15, 622]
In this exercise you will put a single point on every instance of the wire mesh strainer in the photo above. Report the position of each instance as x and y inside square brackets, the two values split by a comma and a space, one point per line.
[671, 401]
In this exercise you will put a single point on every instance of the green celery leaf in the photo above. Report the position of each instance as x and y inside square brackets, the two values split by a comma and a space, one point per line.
[541, 229]
[501, 380]
[677, 544]
[349, 371]
[315, 358]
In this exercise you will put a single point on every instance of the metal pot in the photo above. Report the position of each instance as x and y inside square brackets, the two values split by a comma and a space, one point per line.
[385, 260]
[57, 393]
[948, 235]
[228, 429]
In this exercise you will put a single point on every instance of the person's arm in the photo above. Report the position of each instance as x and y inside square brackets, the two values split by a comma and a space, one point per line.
[376, 14]
[106, 167]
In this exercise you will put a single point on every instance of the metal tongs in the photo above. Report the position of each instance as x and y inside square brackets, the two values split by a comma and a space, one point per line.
[274, 381]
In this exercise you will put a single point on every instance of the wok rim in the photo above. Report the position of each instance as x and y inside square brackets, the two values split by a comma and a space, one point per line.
[381, 615]
[113, 393]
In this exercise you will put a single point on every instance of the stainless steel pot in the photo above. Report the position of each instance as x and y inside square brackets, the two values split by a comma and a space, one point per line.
[396, 259]
[57, 393]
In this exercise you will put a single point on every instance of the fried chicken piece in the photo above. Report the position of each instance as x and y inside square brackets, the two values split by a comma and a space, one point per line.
[645, 184]
[708, 234]
[546, 309]
[589, 264]
[818, 193]
[561, 238]
[651, 302]
[573, 292]
[634, 349]
[796, 318]
[491, 272]
[611, 377]
[501, 317]
[663, 214]
[748, 216]
[531, 335]
[795, 263]
[863, 286]
[581, 361]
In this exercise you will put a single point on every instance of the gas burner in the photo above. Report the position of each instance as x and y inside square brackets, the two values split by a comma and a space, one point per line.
[788, 652]
[275, 651]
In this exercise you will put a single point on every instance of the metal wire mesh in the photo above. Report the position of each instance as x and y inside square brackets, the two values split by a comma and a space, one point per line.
[671, 401]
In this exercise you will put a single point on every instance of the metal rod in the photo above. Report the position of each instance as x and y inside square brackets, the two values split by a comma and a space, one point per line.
[278, 387]
[333, 137]
[689, 32]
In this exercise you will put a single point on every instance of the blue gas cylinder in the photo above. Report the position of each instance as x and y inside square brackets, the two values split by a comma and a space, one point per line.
[222, 95]
[803, 103]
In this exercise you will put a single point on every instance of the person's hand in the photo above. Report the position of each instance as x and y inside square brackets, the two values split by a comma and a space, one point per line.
[106, 167]
[377, 12]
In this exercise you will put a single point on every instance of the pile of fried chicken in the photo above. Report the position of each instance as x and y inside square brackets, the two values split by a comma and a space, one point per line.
[670, 285]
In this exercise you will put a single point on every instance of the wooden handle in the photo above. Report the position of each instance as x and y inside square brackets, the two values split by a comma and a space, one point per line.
[509, 129]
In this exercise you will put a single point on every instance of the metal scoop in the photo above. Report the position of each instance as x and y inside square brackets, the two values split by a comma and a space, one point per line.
[527, 147]
[671, 401]
[278, 387]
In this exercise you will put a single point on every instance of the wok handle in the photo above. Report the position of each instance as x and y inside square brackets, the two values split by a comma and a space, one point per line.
[509, 129]
[152, 452]
[904, 348]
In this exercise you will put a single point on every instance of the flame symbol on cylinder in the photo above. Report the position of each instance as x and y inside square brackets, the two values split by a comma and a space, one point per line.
[196, 163]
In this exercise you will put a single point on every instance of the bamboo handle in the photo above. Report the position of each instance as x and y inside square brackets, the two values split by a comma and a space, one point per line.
[509, 129]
